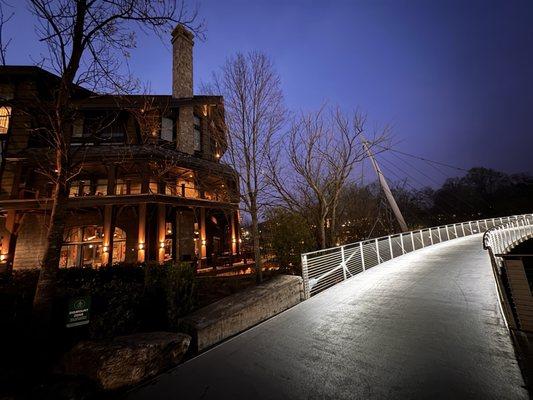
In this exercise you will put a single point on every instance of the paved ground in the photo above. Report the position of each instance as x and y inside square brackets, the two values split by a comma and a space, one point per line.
[423, 326]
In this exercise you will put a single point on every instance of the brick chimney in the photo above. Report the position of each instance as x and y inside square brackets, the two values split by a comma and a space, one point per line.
[182, 44]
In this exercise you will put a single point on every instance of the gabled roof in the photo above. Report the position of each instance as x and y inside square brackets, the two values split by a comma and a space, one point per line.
[109, 101]
[38, 73]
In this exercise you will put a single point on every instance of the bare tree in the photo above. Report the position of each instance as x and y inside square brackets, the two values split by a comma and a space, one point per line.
[255, 112]
[4, 44]
[310, 166]
[88, 42]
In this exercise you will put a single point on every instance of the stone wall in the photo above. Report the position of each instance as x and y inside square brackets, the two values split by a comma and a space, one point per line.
[31, 241]
[240, 311]
[185, 139]
[182, 62]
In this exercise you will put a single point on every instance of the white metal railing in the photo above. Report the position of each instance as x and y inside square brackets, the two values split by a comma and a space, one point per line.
[322, 269]
[500, 239]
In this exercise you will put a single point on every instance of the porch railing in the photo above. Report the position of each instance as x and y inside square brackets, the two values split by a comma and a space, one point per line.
[324, 268]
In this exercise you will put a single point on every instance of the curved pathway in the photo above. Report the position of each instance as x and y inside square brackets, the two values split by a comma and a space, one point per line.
[422, 326]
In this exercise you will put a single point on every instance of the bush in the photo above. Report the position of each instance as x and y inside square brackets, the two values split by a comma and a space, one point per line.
[170, 293]
[124, 299]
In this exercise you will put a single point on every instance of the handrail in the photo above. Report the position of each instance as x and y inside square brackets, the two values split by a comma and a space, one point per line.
[324, 268]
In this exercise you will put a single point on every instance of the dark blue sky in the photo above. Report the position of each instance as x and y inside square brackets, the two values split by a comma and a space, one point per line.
[454, 78]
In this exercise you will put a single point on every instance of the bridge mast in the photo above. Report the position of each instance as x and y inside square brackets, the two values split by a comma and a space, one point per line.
[385, 187]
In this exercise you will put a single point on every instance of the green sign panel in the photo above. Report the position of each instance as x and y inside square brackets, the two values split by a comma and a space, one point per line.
[78, 311]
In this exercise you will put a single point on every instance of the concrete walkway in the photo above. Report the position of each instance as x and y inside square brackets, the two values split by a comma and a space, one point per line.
[423, 326]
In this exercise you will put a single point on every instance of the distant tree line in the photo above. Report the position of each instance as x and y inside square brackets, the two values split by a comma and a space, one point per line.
[363, 212]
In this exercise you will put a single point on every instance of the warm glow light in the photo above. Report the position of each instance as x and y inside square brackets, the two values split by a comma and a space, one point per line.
[106, 249]
[141, 246]
[204, 242]
[5, 115]
[162, 245]
[2, 257]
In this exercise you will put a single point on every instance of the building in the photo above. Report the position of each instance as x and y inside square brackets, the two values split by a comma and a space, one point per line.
[146, 183]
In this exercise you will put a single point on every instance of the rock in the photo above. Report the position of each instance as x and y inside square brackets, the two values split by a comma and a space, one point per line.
[242, 310]
[125, 360]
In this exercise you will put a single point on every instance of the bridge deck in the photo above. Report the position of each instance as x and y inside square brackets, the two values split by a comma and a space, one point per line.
[425, 325]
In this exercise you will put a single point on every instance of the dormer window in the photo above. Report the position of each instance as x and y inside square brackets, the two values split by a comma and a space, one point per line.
[197, 135]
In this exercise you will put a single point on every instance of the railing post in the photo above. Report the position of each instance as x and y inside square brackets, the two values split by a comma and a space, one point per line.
[362, 255]
[440, 236]
[343, 263]
[305, 277]
[470, 226]
[401, 242]
[377, 251]
[478, 227]
[463, 229]
[422, 238]
[455, 230]
[430, 237]
[413, 241]
[390, 248]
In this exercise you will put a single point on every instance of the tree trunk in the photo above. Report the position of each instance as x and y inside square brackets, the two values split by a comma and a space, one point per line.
[256, 242]
[322, 232]
[46, 286]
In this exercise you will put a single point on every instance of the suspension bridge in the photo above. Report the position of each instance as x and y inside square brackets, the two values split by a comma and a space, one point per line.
[411, 316]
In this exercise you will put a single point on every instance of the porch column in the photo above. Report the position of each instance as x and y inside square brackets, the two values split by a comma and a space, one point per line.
[9, 241]
[141, 238]
[107, 241]
[177, 235]
[111, 179]
[203, 237]
[161, 232]
[234, 233]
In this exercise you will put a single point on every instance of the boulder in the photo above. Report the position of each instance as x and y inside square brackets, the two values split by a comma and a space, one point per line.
[125, 360]
[242, 310]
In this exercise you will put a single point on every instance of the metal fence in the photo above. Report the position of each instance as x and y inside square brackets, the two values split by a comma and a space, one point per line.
[324, 268]
[500, 239]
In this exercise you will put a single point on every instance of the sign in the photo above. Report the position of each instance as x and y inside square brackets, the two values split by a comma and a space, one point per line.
[78, 311]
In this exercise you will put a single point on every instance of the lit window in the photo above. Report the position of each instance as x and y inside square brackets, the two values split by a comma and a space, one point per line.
[83, 247]
[5, 115]
[101, 187]
[135, 187]
[153, 187]
[121, 187]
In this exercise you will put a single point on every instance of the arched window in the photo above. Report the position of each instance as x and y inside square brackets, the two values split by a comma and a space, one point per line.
[83, 247]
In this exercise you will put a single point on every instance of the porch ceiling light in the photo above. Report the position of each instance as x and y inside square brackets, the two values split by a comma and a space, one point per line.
[141, 246]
